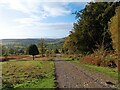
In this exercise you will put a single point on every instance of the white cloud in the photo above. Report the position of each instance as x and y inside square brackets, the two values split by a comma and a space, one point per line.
[44, 30]
[35, 6]
[56, 9]
[45, 26]
[25, 6]
[35, 10]
[26, 21]
[55, 26]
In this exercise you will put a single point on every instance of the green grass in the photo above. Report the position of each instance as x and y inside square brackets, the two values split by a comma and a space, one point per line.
[106, 70]
[2, 63]
[70, 59]
[28, 74]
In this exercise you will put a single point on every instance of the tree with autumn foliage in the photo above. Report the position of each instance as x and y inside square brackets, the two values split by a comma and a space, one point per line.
[91, 28]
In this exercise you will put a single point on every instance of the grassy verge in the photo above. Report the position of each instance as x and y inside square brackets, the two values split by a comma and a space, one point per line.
[106, 70]
[28, 74]
[70, 59]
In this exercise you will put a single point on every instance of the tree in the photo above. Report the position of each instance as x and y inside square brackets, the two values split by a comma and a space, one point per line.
[56, 51]
[11, 51]
[91, 28]
[42, 47]
[20, 51]
[33, 50]
[69, 45]
[113, 27]
[4, 51]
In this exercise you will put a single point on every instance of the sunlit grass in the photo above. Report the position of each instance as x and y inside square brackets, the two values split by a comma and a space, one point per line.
[109, 71]
[28, 74]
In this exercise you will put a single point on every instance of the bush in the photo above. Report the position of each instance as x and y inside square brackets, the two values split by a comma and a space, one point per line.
[73, 59]
[110, 61]
[7, 85]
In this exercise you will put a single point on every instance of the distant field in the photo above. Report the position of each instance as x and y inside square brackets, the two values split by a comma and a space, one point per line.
[28, 74]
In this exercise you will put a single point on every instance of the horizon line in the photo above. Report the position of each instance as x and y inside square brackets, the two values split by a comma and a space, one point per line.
[31, 38]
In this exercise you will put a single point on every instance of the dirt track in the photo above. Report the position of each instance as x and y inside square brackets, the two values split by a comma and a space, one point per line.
[70, 76]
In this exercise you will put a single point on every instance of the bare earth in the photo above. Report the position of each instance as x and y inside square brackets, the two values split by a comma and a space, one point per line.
[71, 76]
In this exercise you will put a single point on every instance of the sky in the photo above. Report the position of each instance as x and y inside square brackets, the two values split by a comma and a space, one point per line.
[21, 19]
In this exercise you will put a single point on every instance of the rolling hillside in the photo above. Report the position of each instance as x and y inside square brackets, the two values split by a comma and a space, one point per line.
[15, 44]
[30, 41]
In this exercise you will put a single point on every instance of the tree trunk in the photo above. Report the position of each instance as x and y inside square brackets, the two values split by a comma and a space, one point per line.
[42, 51]
[42, 54]
[33, 57]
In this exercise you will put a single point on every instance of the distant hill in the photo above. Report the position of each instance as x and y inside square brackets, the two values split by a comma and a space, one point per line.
[20, 46]
[30, 41]
[51, 44]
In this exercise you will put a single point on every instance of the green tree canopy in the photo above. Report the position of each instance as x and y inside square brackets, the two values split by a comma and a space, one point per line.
[91, 28]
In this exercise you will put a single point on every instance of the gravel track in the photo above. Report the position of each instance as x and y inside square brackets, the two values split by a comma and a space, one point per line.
[68, 75]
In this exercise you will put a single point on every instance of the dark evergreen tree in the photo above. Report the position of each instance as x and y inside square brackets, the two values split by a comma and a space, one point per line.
[33, 50]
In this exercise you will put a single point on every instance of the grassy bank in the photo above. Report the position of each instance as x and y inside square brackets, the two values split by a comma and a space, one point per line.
[28, 74]
[106, 70]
